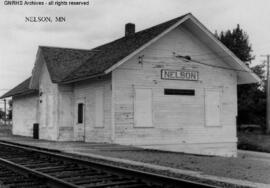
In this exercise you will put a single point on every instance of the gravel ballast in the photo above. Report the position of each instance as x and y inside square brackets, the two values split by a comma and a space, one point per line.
[240, 168]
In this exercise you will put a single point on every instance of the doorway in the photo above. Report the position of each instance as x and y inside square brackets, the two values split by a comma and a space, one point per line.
[80, 120]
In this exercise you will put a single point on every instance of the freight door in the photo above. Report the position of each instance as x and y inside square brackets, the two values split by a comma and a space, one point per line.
[79, 126]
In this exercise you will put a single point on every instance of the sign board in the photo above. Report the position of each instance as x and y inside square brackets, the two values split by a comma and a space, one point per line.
[179, 75]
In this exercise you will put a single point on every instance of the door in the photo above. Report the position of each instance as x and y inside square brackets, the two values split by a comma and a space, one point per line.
[79, 126]
[212, 107]
[143, 107]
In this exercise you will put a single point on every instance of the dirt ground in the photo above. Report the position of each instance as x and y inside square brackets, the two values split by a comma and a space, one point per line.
[237, 168]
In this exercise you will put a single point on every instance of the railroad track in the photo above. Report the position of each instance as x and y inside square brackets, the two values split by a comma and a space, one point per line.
[38, 168]
[9, 177]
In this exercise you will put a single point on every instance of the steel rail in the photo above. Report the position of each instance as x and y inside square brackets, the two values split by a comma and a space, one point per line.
[46, 179]
[150, 178]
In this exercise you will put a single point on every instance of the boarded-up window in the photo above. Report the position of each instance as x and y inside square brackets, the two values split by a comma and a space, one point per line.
[80, 113]
[143, 107]
[99, 108]
[212, 107]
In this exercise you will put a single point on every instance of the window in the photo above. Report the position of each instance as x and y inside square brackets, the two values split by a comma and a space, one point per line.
[179, 92]
[80, 113]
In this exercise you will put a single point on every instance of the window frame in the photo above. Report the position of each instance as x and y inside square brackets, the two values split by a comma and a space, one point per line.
[180, 92]
[80, 117]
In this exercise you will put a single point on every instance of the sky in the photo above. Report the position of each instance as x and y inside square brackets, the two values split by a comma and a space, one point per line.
[103, 21]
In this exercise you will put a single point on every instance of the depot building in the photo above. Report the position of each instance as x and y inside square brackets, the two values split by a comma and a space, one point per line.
[170, 87]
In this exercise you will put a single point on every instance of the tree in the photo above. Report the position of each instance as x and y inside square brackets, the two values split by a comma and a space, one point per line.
[238, 42]
[251, 97]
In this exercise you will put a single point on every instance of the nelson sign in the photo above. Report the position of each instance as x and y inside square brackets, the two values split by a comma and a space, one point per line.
[179, 75]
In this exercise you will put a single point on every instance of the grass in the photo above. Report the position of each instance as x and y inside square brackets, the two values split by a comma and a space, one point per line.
[254, 142]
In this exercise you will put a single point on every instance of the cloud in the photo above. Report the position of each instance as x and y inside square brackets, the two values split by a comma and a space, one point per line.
[104, 20]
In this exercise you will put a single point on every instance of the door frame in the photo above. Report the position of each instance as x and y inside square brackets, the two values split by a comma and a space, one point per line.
[76, 124]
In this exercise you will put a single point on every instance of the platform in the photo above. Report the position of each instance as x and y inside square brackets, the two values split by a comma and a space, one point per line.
[245, 170]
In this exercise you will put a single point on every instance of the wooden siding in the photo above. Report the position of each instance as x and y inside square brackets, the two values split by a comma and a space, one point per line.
[65, 112]
[57, 111]
[143, 107]
[176, 119]
[48, 106]
[24, 115]
[87, 90]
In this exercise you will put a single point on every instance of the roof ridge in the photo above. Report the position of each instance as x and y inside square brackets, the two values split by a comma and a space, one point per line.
[143, 30]
[67, 48]
[177, 18]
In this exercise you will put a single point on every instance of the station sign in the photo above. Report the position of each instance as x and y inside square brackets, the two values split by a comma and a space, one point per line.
[179, 75]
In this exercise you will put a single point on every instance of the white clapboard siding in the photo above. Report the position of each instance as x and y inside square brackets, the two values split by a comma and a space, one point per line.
[176, 119]
[48, 116]
[99, 108]
[143, 107]
[24, 115]
[212, 107]
[42, 110]
[49, 110]
[66, 112]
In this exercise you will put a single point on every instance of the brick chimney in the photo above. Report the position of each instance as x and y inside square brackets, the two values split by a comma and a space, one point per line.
[130, 29]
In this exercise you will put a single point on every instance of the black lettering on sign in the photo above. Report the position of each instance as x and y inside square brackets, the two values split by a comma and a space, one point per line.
[179, 75]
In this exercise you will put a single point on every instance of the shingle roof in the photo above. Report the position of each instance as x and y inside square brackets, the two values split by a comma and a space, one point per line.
[21, 89]
[67, 65]
[62, 61]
